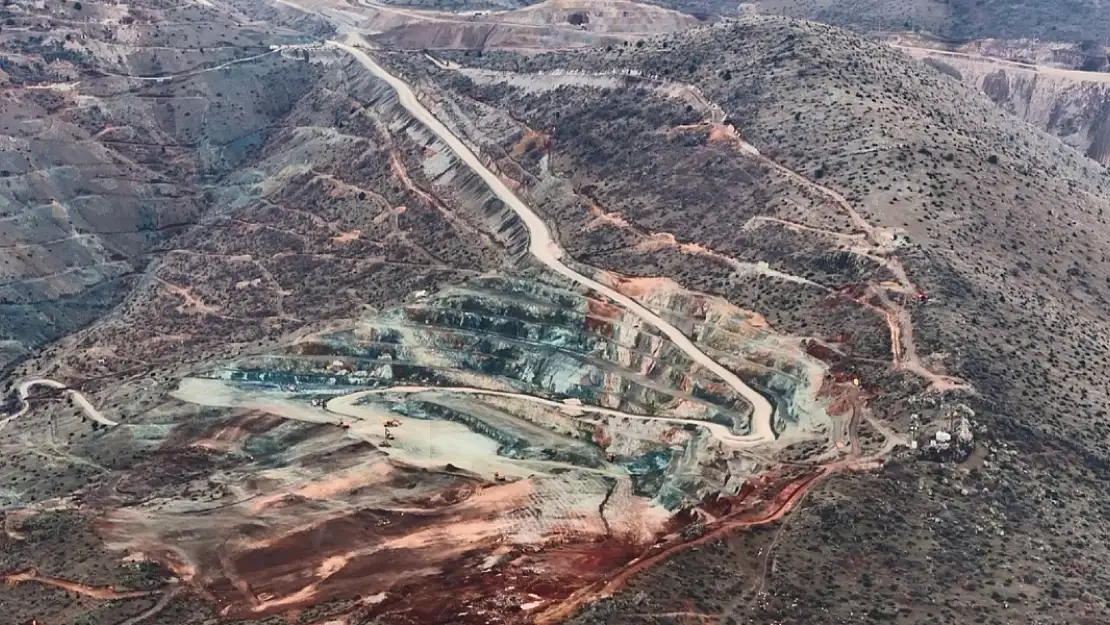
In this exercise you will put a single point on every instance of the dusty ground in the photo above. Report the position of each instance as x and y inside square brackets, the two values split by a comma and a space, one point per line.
[833, 225]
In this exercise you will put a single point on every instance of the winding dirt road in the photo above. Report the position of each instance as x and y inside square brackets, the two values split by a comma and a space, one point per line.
[345, 406]
[543, 246]
[25, 391]
[876, 243]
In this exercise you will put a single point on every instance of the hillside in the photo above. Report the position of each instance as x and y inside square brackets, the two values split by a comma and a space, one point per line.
[961, 20]
[1019, 289]
[755, 322]
[96, 177]
[1068, 103]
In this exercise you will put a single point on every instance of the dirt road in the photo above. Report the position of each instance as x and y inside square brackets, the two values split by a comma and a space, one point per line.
[1047, 70]
[876, 243]
[343, 405]
[25, 390]
[96, 592]
[543, 246]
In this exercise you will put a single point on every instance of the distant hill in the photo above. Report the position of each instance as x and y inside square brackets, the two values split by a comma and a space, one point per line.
[957, 19]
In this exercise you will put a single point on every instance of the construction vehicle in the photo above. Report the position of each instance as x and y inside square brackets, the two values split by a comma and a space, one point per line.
[498, 477]
[392, 423]
[344, 425]
[385, 444]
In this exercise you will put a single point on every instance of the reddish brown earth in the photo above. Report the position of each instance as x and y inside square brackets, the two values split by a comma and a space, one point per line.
[764, 501]
[96, 592]
[390, 541]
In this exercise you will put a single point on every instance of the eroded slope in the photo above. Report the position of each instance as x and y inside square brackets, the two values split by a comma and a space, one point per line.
[117, 124]
[851, 227]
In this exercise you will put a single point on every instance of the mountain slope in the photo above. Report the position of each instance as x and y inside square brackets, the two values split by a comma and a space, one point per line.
[1049, 20]
[118, 122]
[349, 392]
[1007, 229]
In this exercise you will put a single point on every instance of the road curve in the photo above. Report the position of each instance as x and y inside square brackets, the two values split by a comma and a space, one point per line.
[342, 405]
[543, 246]
[25, 391]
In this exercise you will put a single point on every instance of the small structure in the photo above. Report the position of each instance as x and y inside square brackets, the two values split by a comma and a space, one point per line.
[392, 423]
[946, 446]
[498, 477]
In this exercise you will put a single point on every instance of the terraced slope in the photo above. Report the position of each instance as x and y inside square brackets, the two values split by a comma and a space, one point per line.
[1016, 291]
[352, 391]
[613, 432]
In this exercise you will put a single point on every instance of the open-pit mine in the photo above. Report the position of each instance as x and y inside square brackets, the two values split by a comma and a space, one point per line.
[488, 450]
[412, 395]
[503, 450]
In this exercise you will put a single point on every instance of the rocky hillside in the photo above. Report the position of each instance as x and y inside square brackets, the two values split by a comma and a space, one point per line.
[118, 124]
[1046, 20]
[1071, 104]
[860, 236]
[1008, 234]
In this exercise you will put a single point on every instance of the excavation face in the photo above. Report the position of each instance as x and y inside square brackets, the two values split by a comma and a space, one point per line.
[503, 443]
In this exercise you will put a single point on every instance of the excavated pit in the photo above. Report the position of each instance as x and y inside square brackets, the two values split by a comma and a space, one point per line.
[510, 428]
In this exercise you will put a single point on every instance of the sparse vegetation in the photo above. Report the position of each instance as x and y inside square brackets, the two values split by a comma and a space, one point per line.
[297, 205]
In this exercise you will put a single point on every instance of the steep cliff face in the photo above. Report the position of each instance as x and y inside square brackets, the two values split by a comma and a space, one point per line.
[1071, 104]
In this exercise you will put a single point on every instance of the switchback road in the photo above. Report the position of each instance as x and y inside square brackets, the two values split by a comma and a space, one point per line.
[544, 247]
